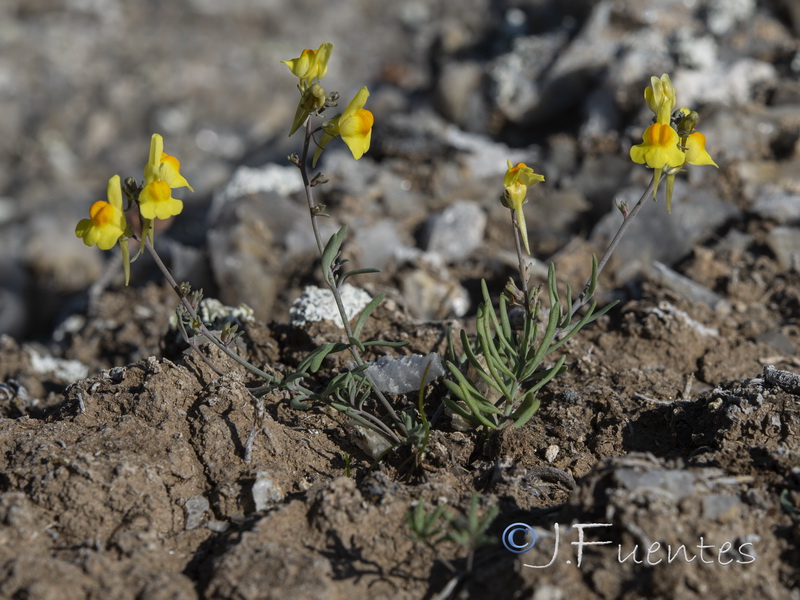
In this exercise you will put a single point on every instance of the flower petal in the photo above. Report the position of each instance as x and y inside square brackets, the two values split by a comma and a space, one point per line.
[356, 131]
[156, 201]
[696, 153]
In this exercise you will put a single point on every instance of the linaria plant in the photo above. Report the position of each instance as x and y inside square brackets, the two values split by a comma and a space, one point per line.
[351, 392]
[496, 379]
[108, 225]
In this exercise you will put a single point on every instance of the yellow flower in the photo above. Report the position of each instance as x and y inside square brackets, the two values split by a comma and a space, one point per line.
[659, 148]
[354, 126]
[664, 148]
[660, 98]
[161, 174]
[311, 64]
[516, 182]
[106, 223]
[696, 153]
[161, 166]
[156, 201]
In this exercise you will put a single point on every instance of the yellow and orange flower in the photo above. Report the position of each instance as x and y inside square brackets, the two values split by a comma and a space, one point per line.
[106, 223]
[161, 175]
[517, 180]
[663, 149]
[354, 126]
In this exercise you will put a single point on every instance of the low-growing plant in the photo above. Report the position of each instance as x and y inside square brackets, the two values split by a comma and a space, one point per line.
[496, 378]
[440, 525]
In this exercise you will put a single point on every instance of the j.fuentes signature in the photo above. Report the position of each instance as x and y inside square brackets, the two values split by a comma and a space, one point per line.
[521, 537]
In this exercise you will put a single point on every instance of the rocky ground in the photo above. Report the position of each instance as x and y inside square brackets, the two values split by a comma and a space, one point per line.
[123, 470]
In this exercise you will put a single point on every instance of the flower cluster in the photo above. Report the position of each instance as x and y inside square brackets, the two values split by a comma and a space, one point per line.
[354, 125]
[107, 224]
[671, 141]
[516, 182]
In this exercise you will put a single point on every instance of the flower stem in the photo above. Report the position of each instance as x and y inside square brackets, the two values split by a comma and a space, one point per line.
[197, 321]
[612, 246]
[330, 280]
[523, 272]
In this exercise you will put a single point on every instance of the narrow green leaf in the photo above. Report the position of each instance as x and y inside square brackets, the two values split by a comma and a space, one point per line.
[421, 405]
[487, 348]
[494, 361]
[359, 272]
[589, 317]
[459, 410]
[568, 314]
[362, 318]
[453, 387]
[332, 249]
[506, 324]
[547, 338]
[474, 400]
[298, 404]
[526, 410]
[313, 361]
[355, 342]
[552, 372]
[476, 365]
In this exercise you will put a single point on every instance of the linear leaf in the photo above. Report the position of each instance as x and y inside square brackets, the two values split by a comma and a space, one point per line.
[332, 249]
[362, 318]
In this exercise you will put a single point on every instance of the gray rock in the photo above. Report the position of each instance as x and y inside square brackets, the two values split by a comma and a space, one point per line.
[68, 371]
[378, 242]
[687, 288]
[485, 158]
[695, 51]
[429, 290]
[404, 374]
[515, 76]
[721, 507]
[265, 491]
[673, 484]
[657, 236]
[725, 85]
[777, 205]
[460, 95]
[247, 181]
[317, 304]
[194, 511]
[457, 232]
[784, 241]
[724, 15]
[244, 260]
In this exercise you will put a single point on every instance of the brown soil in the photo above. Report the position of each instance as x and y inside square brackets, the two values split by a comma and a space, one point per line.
[669, 428]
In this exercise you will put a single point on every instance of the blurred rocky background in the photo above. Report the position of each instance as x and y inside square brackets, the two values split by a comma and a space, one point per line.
[457, 88]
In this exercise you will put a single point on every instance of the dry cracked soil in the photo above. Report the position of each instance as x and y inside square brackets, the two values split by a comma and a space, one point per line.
[673, 433]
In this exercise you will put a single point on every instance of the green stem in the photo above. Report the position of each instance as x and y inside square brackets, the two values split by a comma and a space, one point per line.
[523, 275]
[330, 279]
[612, 246]
[196, 320]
